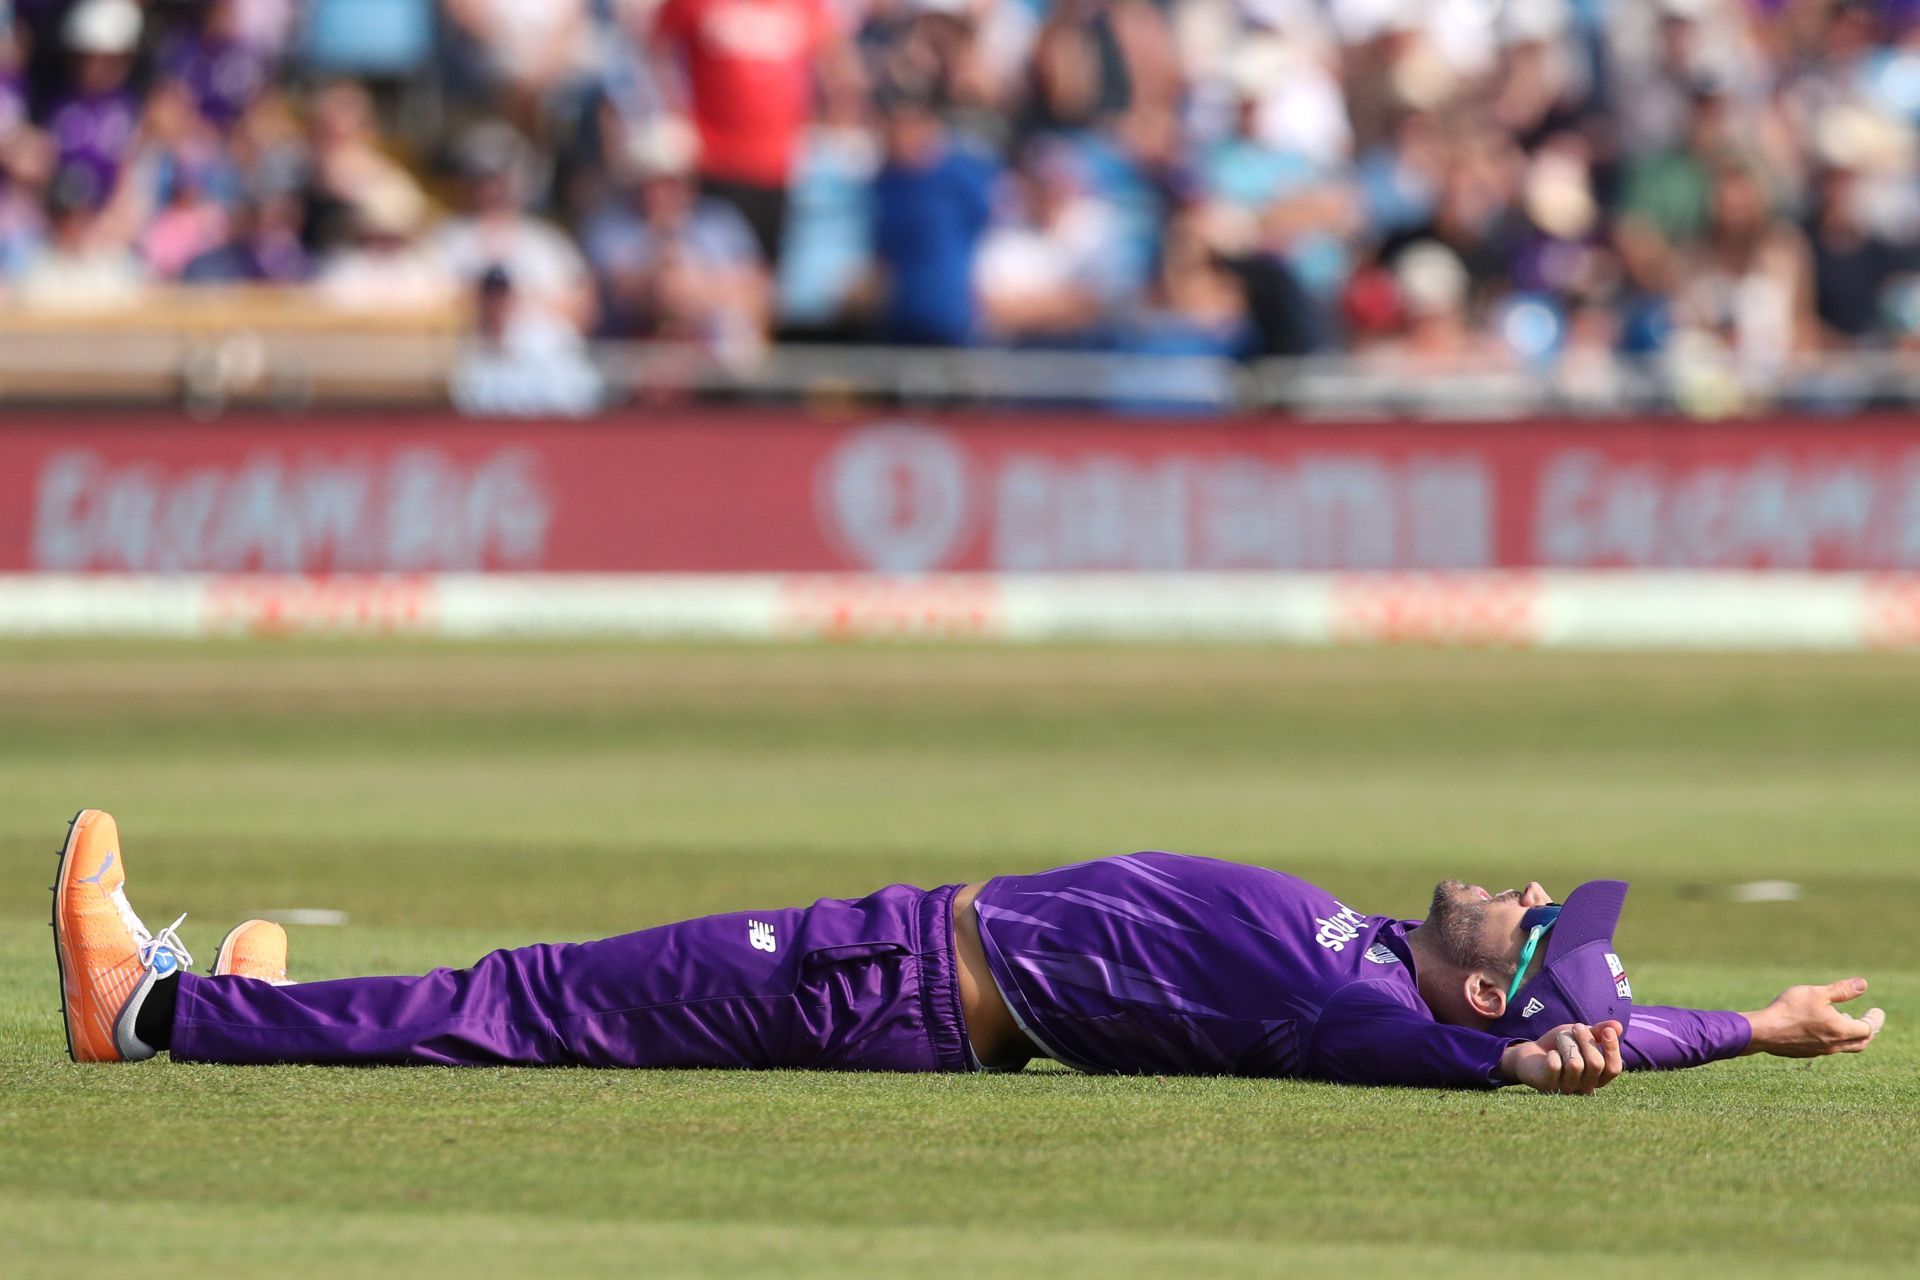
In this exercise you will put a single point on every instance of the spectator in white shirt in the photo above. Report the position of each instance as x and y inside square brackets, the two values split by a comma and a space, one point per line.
[548, 273]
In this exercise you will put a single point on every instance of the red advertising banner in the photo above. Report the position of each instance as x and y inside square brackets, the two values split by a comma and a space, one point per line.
[733, 491]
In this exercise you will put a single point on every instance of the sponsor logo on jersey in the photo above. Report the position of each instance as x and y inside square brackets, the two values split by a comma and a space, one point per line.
[1340, 928]
[760, 934]
[1534, 1006]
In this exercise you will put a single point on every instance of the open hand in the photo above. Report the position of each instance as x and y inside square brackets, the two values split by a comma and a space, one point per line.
[1803, 1023]
[1573, 1058]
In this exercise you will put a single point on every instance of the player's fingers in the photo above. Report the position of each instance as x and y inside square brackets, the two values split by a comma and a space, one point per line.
[1875, 1019]
[1608, 1034]
[1573, 1063]
[1846, 1030]
[1593, 1062]
[1846, 989]
[1551, 1082]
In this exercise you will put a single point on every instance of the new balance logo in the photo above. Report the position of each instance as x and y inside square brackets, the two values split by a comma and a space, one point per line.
[760, 934]
[1533, 1006]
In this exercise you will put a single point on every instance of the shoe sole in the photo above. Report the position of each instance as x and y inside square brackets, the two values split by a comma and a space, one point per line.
[59, 952]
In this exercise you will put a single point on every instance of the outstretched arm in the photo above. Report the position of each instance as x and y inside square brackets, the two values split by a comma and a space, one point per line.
[1374, 1033]
[1801, 1023]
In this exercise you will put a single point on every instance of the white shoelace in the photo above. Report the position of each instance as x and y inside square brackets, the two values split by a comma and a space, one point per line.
[166, 942]
[152, 946]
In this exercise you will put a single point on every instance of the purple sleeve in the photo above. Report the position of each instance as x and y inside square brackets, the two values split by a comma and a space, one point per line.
[1373, 1033]
[1660, 1038]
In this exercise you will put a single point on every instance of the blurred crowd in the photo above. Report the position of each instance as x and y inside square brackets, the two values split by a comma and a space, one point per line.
[1486, 183]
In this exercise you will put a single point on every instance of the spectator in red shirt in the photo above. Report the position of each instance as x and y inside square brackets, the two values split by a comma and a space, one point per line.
[747, 68]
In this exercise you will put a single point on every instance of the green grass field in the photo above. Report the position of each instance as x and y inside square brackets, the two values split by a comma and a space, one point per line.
[451, 799]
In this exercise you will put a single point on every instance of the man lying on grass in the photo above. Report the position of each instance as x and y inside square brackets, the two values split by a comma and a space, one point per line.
[1152, 962]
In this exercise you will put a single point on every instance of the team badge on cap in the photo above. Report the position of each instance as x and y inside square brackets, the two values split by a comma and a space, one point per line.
[1621, 987]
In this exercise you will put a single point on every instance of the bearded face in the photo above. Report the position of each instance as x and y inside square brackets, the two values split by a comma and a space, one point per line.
[1472, 925]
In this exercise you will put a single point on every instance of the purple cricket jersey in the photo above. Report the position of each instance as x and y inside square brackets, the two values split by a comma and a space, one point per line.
[225, 75]
[92, 132]
[1159, 962]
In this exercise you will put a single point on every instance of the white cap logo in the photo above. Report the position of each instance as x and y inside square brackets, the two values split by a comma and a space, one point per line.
[1621, 987]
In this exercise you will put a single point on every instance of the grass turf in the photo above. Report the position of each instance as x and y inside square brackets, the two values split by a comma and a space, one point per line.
[451, 799]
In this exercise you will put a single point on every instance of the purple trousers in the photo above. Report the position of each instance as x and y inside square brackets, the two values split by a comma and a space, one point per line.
[863, 984]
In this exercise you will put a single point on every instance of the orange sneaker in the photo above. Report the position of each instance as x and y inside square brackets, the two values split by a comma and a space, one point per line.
[253, 949]
[108, 959]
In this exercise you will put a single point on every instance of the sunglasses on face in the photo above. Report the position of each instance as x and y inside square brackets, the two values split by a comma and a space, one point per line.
[1537, 922]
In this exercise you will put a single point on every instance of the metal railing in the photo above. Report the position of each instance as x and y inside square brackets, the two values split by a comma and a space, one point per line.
[206, 368]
